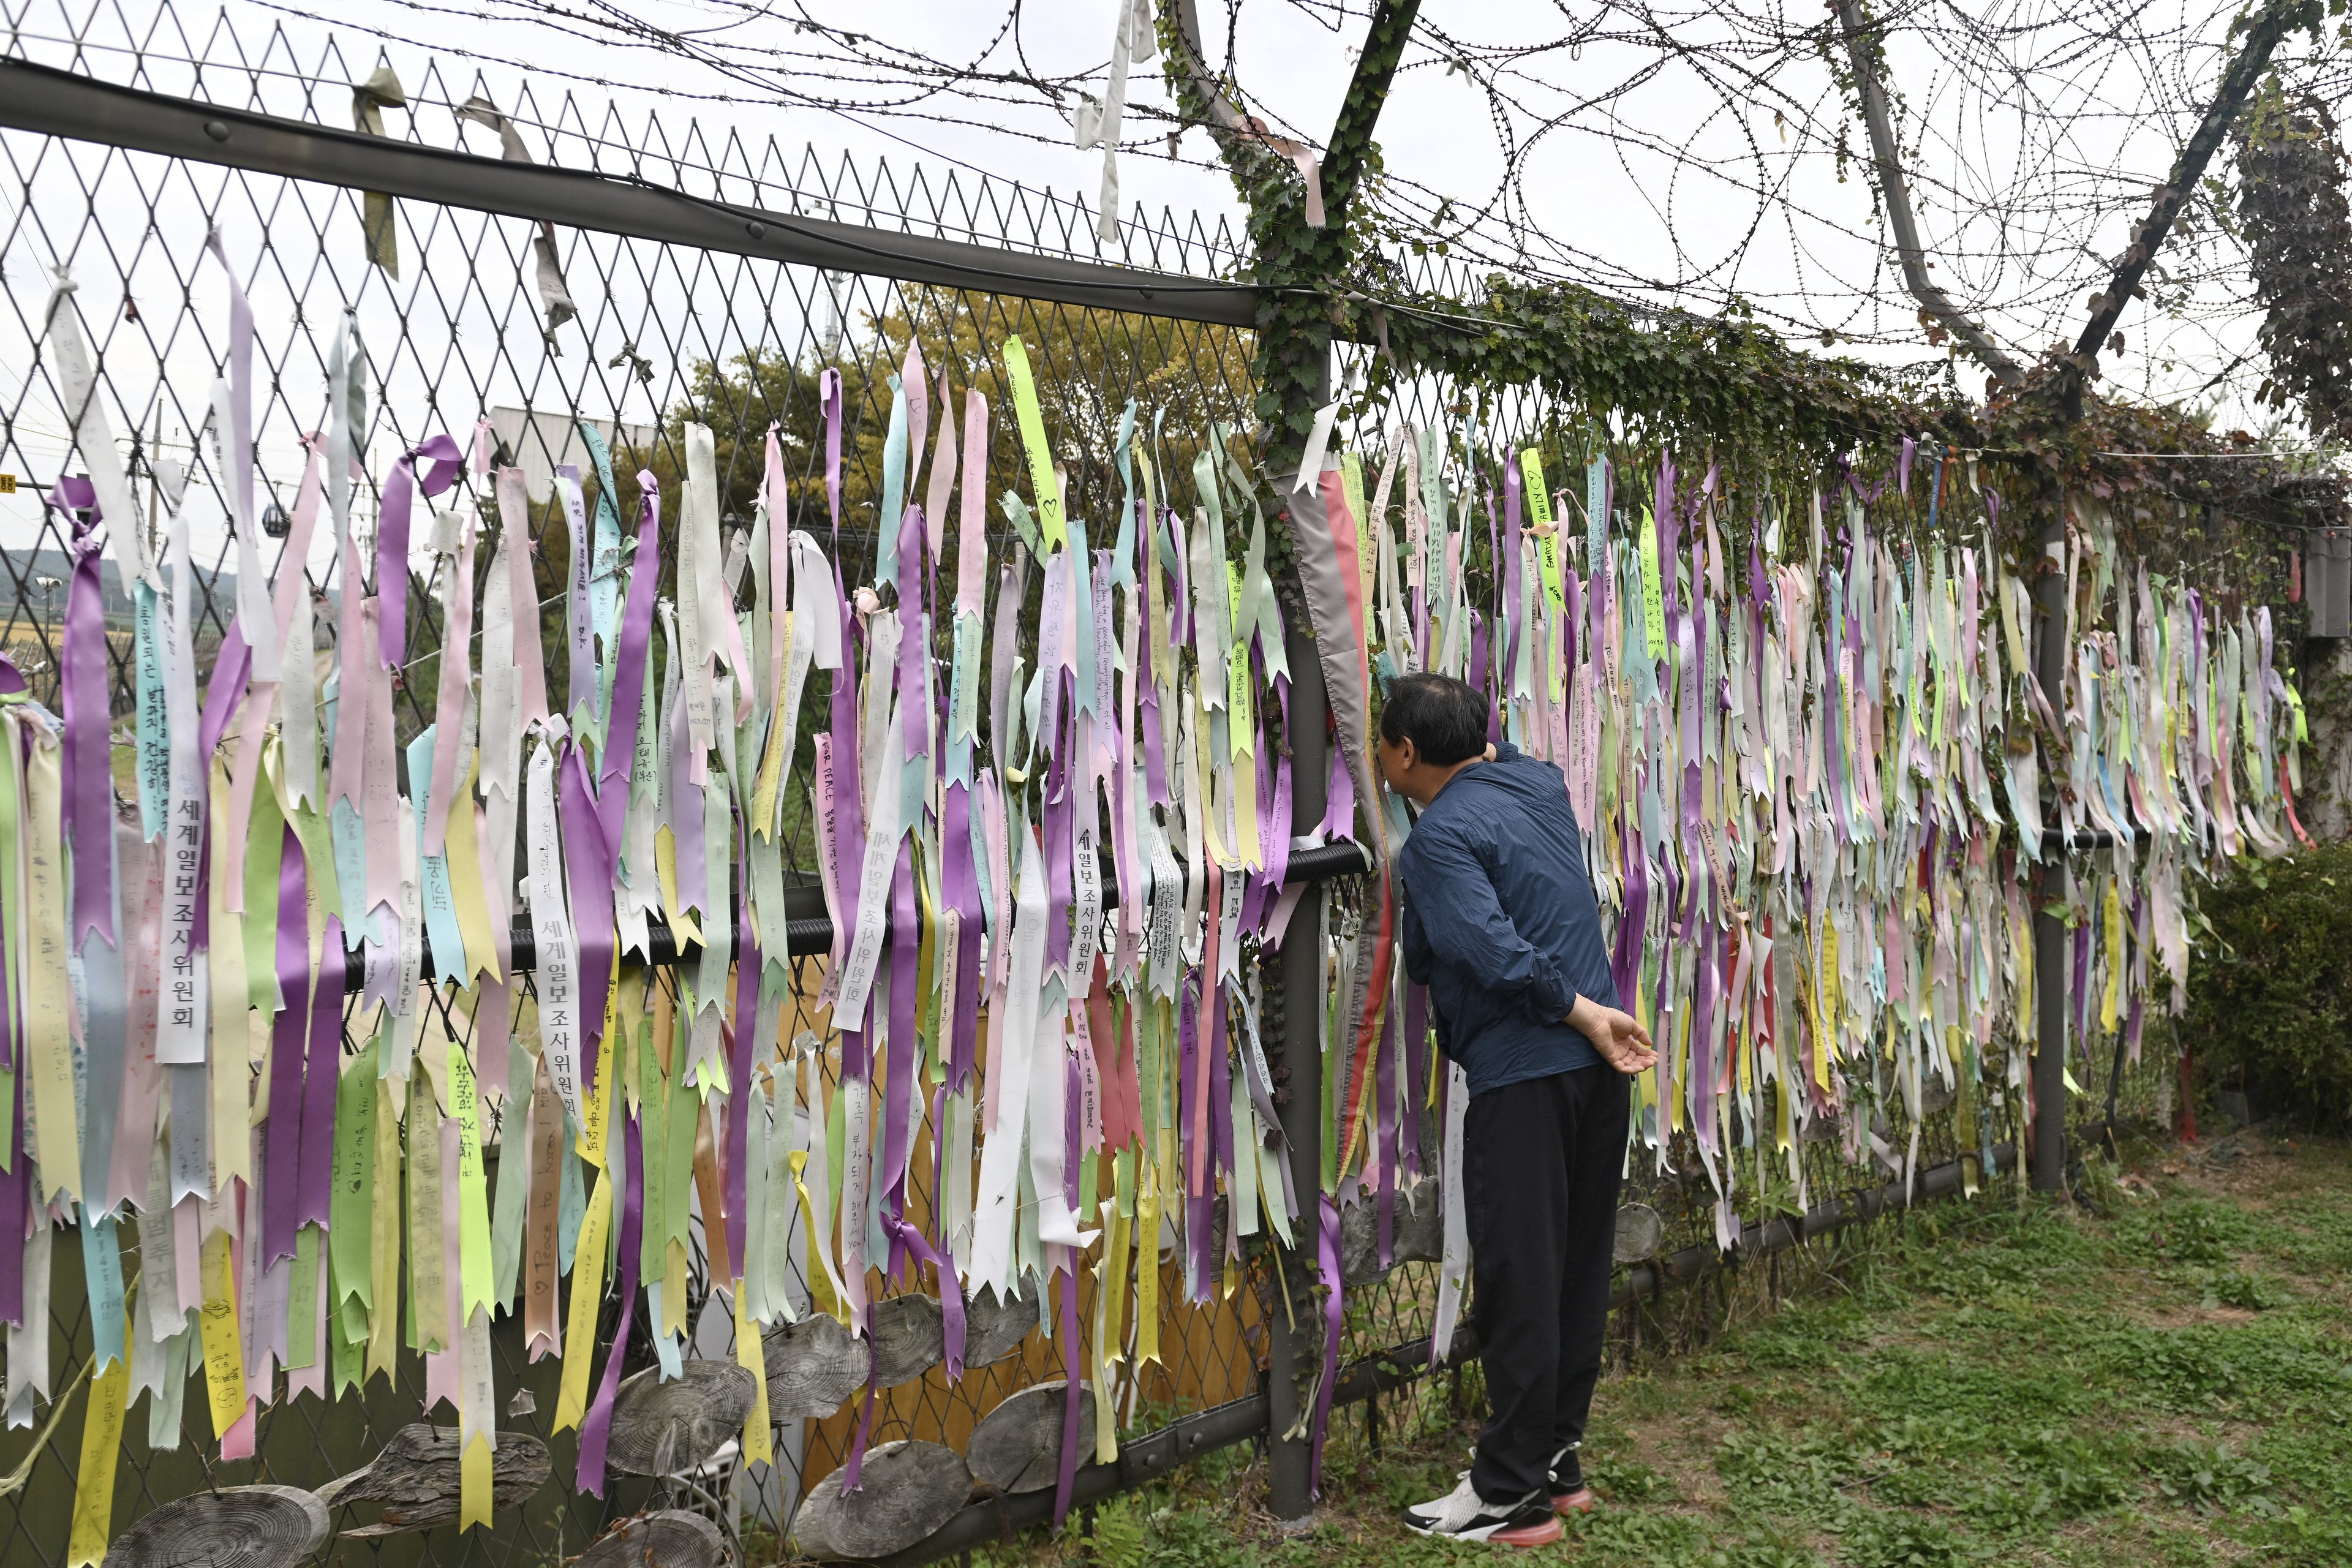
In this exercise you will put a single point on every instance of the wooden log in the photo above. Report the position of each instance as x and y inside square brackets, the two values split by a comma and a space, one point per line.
[812, 1366]
[235, 1527]
[1017, 1447]
[661, 1428]
[672, 1538]
[906, 1492]
[993, 1329]
[909, 1339]
[1639, 1232]
[1419, 1236]
[415, 1476]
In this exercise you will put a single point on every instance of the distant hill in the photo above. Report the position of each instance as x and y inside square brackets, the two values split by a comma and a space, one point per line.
[29, 566]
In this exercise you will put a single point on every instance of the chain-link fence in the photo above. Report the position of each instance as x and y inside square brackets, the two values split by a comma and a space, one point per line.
[457, 311]
[549, 334]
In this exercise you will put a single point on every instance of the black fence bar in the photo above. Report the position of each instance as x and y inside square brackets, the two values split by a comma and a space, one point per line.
[808, 926]
[64, 103]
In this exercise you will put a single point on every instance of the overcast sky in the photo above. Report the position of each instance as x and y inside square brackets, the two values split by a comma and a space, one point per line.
[1664, 193]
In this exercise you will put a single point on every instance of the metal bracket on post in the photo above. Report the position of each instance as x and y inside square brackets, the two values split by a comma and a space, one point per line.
[2049, 933]
[1293, 1363]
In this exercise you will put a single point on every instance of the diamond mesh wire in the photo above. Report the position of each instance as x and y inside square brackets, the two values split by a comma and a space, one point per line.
[664, 336]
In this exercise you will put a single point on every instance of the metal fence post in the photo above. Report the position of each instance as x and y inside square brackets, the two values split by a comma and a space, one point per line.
[2049, 931]
[1293, 1359]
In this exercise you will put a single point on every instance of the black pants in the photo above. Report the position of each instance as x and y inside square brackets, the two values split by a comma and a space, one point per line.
[1540, 1163]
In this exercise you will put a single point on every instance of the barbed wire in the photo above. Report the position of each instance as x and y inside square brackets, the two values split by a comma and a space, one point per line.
[2030, 132]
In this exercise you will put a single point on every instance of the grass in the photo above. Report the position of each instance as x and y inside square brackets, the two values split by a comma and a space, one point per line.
[2160, 1376]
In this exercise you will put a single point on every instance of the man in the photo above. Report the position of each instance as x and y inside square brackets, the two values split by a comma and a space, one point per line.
[1501, 924]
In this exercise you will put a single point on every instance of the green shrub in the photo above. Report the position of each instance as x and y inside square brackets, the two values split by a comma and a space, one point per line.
[2270, 986]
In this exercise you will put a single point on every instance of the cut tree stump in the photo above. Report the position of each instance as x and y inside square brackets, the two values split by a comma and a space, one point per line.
[906, 1492]
[672, 1538]
[812, 1366]
[1639, 1232]
[1419, 1236]
[909, 1339]
[414, 1477]
[661, 1428]
[237, 1527]
[993, 1329]
[1017, 1447]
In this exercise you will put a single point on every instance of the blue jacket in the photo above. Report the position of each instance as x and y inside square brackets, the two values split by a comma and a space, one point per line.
[1500, 921]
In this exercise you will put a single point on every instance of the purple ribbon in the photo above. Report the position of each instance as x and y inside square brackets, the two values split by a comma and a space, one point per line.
[899, 1094]
[960, 885]
[16, 1215]
[88, 776]
[1416, 1063]
[748, 968]
[950, 1293]
[1670, 534]
[447, 460]
[282, 1148]
[318, 1179]
[597, 1429]
[1384, 1078]
[588, 869]
[1334, 1308]
[1513, 485]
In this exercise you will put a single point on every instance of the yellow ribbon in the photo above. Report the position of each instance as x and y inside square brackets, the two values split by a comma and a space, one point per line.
[758, 1445]
[102, 1445]
[587, 1290]
[48, 1000]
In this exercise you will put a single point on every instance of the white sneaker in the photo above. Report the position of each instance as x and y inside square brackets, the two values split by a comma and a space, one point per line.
[1463, 1515]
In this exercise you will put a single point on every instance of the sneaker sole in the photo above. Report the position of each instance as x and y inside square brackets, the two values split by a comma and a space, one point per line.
[1520, 1536]
[1581, 1500]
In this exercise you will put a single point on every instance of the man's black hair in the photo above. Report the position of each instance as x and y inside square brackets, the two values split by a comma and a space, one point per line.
[1443, 717]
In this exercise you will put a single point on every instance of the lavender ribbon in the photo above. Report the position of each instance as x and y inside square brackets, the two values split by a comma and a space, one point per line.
[87, 777]
[612, 795]
[447, 460]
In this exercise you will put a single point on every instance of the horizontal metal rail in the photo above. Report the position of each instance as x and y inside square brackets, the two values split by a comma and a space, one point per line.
[65, 103]
[808, 925]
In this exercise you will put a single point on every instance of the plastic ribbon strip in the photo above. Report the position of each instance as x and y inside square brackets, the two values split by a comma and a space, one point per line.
[1813, 795]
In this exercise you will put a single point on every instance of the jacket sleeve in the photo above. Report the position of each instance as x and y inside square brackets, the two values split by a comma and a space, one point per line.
[1461, 924]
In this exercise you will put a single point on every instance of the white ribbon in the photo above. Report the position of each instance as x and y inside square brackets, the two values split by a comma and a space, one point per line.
[181, 1003]
[93, 436]
[1011, 1048]
[554, 946]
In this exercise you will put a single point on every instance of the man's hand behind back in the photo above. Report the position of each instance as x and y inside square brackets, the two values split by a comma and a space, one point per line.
[1623, 1043]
